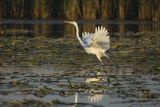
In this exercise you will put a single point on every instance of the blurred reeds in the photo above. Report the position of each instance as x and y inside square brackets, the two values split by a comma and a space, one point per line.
[81, 9]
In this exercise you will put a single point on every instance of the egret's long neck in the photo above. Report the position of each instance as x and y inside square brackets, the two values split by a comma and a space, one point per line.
[77, 34]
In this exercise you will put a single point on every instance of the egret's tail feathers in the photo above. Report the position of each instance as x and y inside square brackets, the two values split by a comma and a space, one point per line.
[106, 55]
[101, 55]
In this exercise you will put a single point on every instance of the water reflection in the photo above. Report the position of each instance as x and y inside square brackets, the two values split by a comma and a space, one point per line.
[45, 84]
[95, 98]
[47, 28]
[35, 70]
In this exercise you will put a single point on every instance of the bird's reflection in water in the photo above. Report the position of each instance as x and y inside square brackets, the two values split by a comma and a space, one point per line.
[75, 100]
[94, 79]
[95, 98]
[95, 95]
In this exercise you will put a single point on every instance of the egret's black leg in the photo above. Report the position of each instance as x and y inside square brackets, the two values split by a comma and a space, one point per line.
[100, 67]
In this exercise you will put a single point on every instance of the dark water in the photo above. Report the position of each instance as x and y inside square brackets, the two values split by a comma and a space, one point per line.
[43, 64]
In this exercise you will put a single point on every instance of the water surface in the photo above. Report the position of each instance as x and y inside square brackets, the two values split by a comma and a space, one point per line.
[43, 64]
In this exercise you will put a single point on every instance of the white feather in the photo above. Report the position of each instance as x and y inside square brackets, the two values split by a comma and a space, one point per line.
[101, 38]
[87, 38]
[94, 43]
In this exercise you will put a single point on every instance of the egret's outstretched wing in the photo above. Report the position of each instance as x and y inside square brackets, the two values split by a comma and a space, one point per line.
[87, 38]
[101, 38]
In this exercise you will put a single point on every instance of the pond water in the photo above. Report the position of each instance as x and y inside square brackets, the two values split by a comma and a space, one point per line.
[42, 64]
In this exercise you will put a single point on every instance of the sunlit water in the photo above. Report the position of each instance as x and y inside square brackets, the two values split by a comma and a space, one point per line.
[41, 67]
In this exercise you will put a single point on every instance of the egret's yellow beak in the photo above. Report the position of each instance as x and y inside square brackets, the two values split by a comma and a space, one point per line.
[68, 22]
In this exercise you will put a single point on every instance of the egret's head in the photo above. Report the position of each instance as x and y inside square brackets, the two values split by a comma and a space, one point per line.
[71, 22]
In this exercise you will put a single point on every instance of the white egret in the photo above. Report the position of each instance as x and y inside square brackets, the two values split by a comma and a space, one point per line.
[94, 43]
